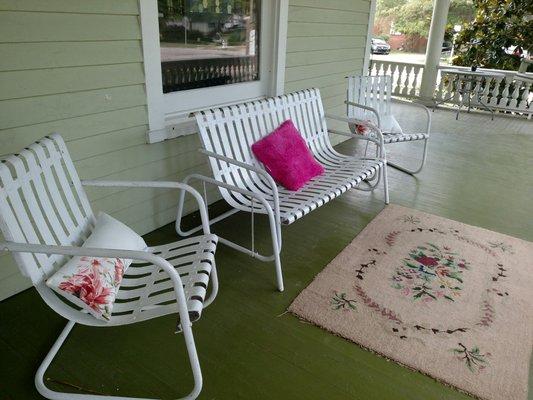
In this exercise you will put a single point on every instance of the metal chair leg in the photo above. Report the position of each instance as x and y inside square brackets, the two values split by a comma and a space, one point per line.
[413, 171]
[53, 395]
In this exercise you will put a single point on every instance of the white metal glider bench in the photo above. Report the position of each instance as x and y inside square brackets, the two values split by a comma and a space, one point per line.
[227, 134]
[369, 99]
[45, 215]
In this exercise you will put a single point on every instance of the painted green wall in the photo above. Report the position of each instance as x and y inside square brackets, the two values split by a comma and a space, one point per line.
[75, 67]
[326, 41]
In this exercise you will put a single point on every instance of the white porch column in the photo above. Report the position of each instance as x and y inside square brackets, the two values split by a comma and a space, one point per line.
[434, 48]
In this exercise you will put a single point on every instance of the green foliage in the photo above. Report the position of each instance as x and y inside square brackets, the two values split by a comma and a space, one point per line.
[498, 24]
[413, 17]
[383, 36]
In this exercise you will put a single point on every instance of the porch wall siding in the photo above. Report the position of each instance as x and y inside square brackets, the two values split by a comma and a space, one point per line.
[325, 42]
[75, 67]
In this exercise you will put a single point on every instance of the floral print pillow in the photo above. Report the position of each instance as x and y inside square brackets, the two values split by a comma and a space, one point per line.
[92, 283]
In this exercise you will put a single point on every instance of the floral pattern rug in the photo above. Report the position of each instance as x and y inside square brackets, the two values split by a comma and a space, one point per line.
[451, 300]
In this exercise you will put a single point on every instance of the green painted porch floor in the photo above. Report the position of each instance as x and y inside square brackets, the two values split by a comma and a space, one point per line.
[248, 347]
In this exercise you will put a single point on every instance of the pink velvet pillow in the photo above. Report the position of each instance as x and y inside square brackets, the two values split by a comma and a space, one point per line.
[286, 157]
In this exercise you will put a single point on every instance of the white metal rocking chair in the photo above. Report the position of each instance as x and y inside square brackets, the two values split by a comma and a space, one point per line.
[45, 216]
[369, 99]
[227, 134]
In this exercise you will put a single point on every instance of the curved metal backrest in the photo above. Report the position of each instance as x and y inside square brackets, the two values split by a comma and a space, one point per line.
[42, 201]
[231, 131]
[371, 91]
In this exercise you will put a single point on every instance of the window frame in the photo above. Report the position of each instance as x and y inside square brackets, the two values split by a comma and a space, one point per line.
[169, 113]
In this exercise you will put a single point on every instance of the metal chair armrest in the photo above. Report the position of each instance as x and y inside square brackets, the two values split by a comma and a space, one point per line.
[412, 103]
[149, 257]
[161, 185]
[368, 124]
[353, 135]
[371, 109]
[249, 167]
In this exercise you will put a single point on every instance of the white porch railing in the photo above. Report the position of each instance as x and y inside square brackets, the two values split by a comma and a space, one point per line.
[512, 93]
[406, 77]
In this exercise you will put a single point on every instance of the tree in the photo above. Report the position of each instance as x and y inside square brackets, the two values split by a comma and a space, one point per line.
[413, 17]
[498, 25]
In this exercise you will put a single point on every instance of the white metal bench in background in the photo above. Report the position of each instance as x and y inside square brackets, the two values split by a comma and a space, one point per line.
[227, 135]
[369, 98]
[45, 216]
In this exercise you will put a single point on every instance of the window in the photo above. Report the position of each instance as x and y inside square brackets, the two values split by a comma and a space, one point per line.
[204, 53]
[208, 43]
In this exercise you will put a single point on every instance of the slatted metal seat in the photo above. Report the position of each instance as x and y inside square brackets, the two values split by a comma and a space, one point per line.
[45, 216]
[369, 99]
[227, 134]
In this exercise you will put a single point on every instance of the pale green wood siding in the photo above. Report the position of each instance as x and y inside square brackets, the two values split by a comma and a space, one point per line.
[75, 67]
[325, 42]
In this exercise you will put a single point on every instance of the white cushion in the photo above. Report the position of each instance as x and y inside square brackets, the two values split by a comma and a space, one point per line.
[389, 124]
[93, 282]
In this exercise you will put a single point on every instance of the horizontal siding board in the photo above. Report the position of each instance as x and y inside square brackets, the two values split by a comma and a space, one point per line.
[156, 170]
[120, 200]
[327, 16]
[317, 70]
[323, 80]
[309, 29]
[92, 146]
[302, 58]
[131, 157]
[20, 112]
[24, 56]
[41, 82]
[341, 5]
[68, 6]
[11, 140]
[57, 27]
[325, 43]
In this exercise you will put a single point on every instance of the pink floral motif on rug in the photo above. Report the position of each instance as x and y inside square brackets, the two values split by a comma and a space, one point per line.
[451, 300]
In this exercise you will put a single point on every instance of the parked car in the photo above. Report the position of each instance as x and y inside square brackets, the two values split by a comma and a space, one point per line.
[379, 46]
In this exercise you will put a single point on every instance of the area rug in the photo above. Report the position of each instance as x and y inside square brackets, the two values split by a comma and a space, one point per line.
[450, 300]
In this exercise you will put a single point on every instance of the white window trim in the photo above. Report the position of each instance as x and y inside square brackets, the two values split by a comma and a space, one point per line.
[371, 18]
[168, 116]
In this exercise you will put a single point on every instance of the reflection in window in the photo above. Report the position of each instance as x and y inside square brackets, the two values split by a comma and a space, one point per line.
[208, 42]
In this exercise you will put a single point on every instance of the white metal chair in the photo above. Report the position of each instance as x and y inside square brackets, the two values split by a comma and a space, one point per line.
[227, 134]
[45, 216]
[369, 99]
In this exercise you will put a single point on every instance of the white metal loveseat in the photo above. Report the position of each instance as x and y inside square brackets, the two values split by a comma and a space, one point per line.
[45, 216]
[227, 134]
[369, 98]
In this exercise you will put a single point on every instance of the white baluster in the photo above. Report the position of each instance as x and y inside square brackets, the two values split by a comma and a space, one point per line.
[505, 93]
[495, 91]
[408, 71]
[528, 89]
[458, 81]
[416, 70]
[476, 88]
[440, 79]
[397, 88]
[513, 101]
[486, 92]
